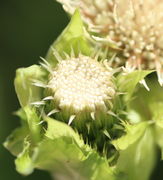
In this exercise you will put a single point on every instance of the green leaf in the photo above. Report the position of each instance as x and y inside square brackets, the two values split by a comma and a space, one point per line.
[73, 37]
[61, 148]
[61, 152]
[58, 155]
[138, 159]
[23, 162]
[64, 154]
[25, 90]
[14, 143]
[157, 113]
[70, 153]
[133, 133]
[22, 115]
[127, 83]
[158, 119]
[58, 129]
[147, 103]
[63, 158]
[133, 116]
[33, 123]
[137, 151]
[30, 128]
[159, 138]
[97, 167]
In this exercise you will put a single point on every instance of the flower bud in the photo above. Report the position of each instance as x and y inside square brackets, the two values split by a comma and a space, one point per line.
[79, 91]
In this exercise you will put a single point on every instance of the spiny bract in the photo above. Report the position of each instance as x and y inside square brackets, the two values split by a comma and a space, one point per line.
[79, 88]
[135, 26]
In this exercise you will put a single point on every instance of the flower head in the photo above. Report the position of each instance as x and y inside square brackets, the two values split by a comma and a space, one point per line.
[81, 83]
[135, 26]
[79, 87]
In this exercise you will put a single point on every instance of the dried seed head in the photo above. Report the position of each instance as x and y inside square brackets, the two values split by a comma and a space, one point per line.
[136, 26]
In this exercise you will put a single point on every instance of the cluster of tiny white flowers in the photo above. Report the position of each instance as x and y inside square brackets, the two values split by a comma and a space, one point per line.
[96, 13]
[136, 27]
[81, 83]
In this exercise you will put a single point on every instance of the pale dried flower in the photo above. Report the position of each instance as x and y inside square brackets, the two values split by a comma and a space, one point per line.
[135, 26]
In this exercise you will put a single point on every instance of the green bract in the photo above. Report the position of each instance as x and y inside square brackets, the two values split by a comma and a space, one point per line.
[78, 118]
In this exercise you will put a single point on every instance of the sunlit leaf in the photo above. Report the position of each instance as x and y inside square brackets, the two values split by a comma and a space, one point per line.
[33, 123]
[26, 91]
[14, 143]
[73, 37]
[23, 162]
[133, 133]
[127, 82]
[137, 161]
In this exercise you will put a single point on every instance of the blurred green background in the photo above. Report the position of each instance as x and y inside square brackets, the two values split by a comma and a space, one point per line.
[27, 28]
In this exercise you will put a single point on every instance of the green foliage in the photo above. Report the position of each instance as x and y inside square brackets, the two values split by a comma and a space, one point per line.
[71, 155]
[15, 142]
[61, 148]
[127, 83]
[133, 133]
[33, 123]
[23, 162]
[73, 37]
[158, 118]
[56, 129]
[25, 90]
[151, 108]
[138, 159]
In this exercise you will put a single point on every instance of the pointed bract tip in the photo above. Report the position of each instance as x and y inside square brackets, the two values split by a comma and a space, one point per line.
[72, 117]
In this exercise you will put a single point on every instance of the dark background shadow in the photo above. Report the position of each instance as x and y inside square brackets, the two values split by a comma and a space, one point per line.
[27, 28]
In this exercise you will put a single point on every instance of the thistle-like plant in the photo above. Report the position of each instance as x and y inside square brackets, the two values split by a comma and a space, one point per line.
[135, 27]
[78, 119]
